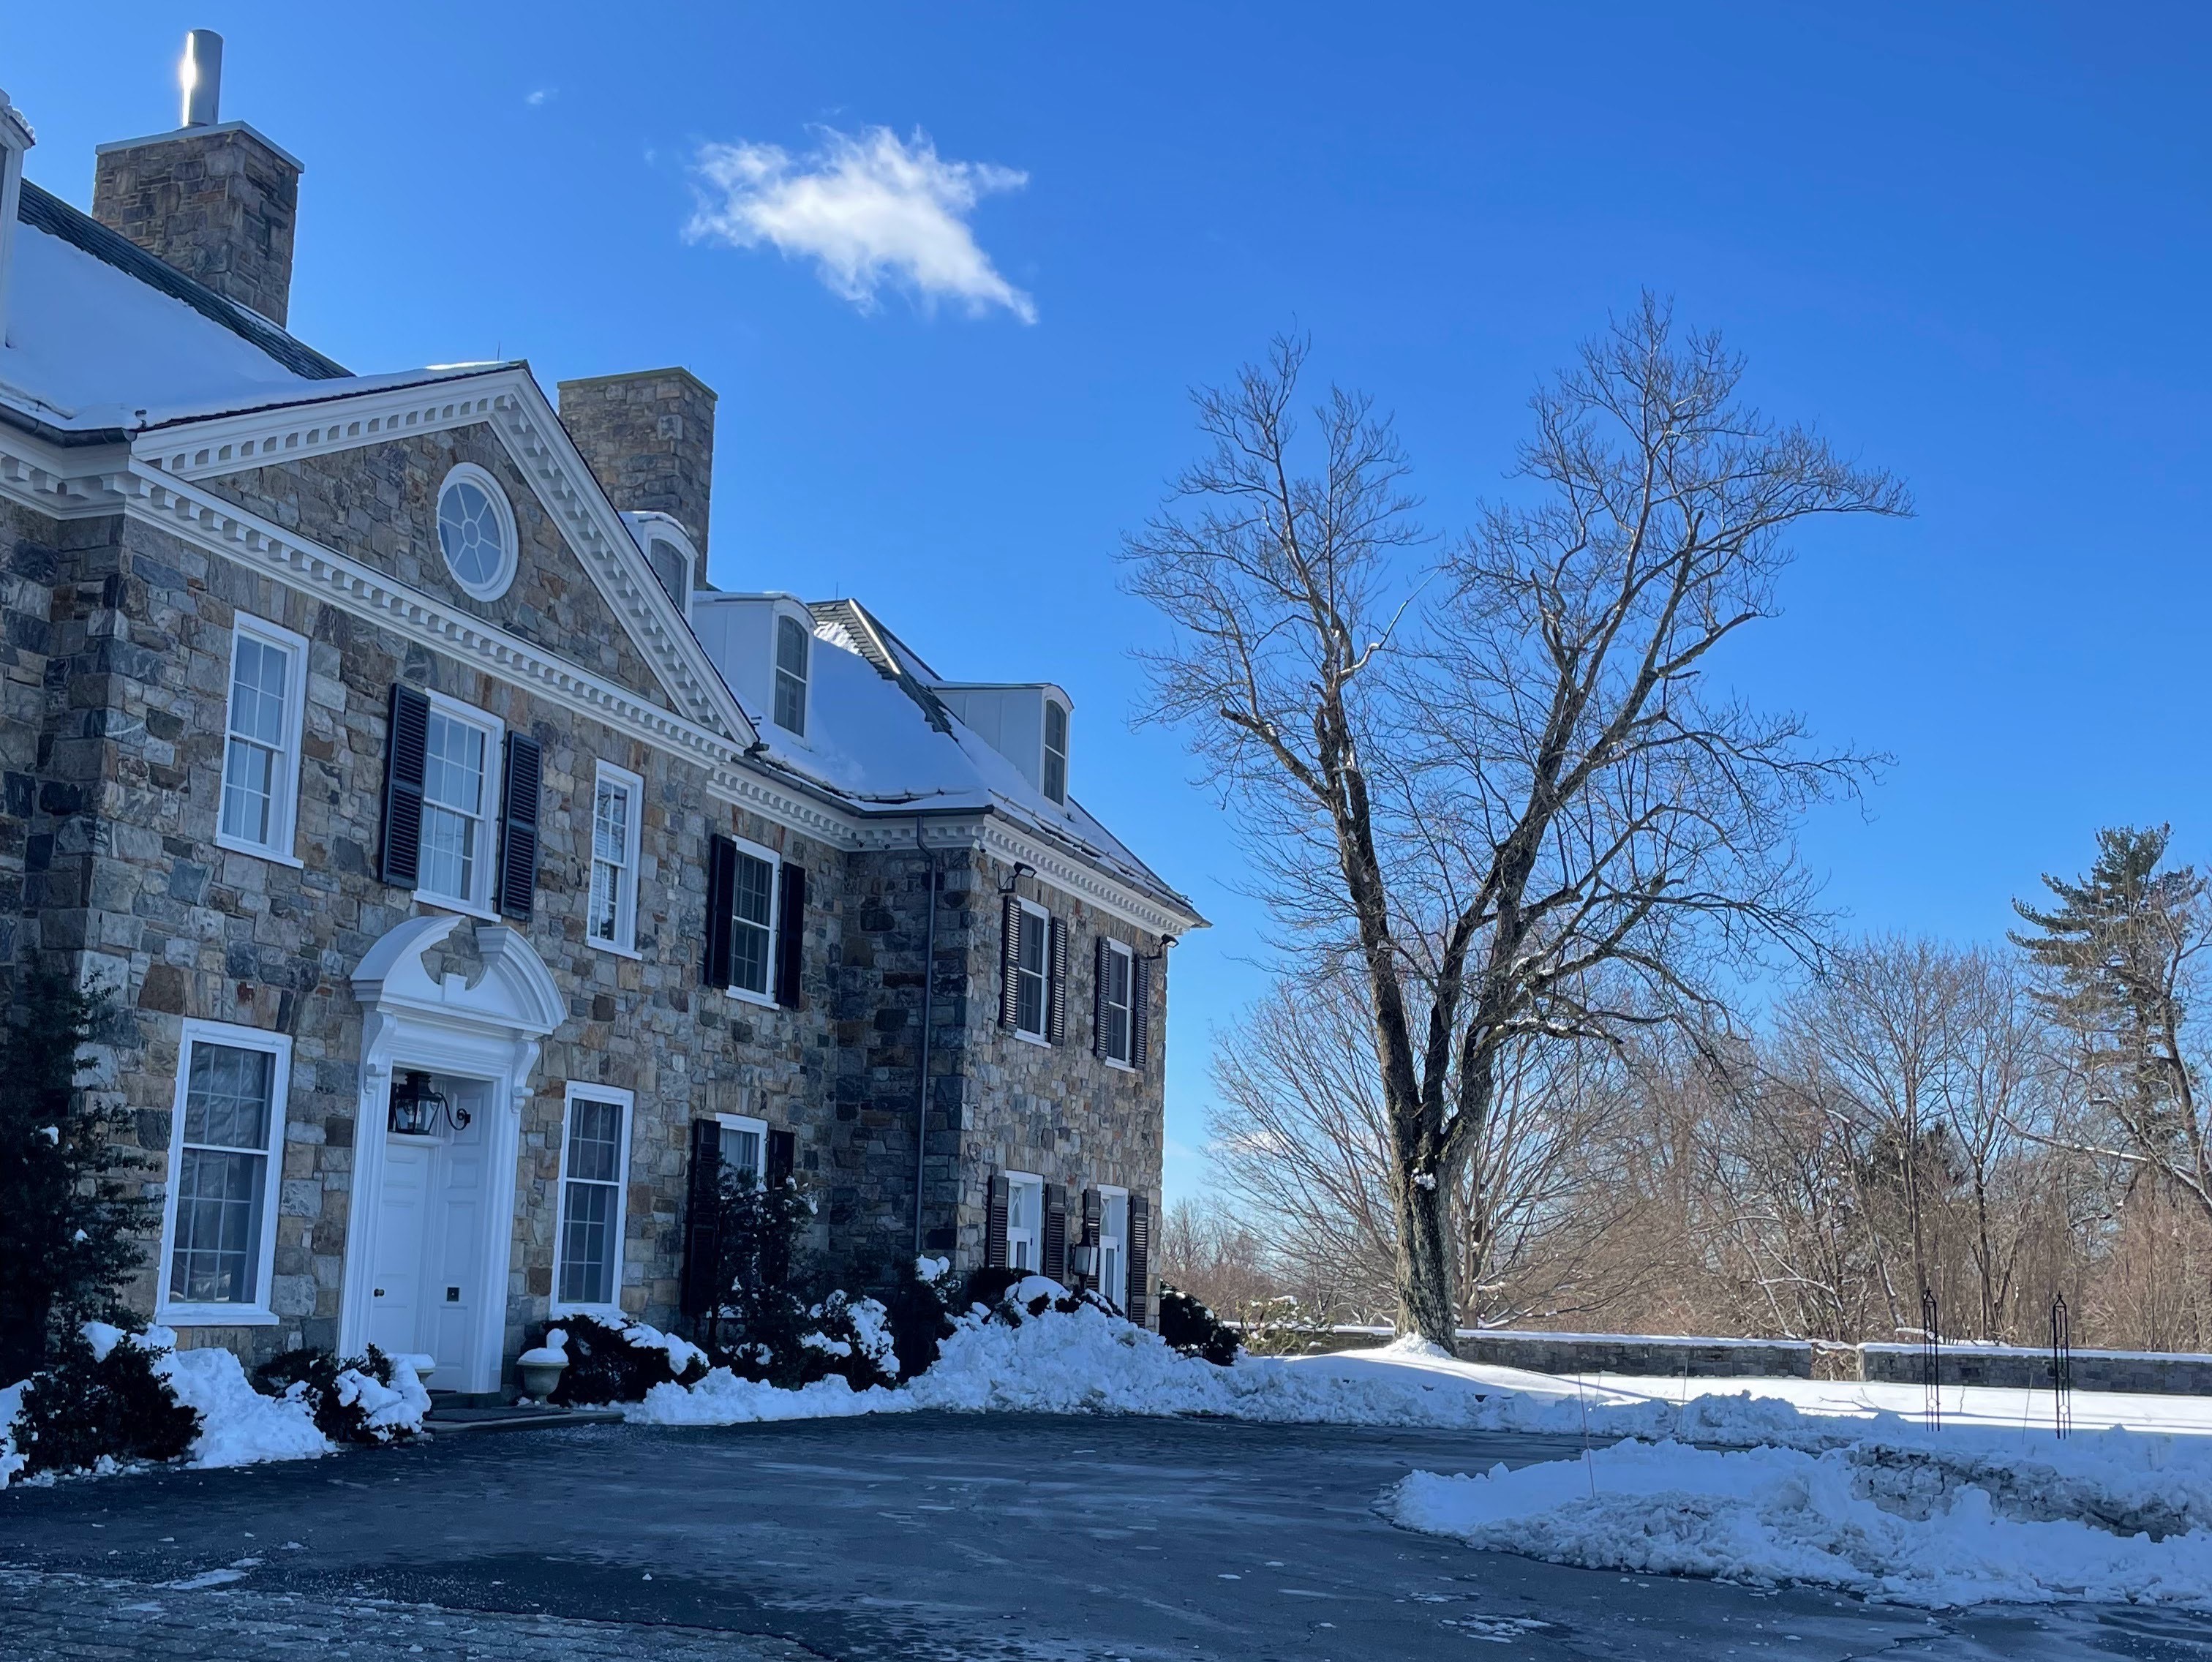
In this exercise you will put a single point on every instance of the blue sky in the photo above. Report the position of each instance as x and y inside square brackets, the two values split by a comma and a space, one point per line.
[1970, 242]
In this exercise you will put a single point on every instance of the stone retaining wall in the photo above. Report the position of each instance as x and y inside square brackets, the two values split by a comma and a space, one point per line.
[2165, 1374]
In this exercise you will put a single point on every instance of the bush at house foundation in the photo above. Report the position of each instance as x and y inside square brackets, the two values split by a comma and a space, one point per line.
[615, 1362]
[1195, 1331]
[921, 1320]
[70, 1220]
[101, 1396]
[363, 1399]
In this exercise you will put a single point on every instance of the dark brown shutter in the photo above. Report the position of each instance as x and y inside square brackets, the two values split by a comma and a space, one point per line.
[1055, 1015]
[1140, 1306]
[1010, 958]
[994, 1223]
[1140, 1012]
[703, 1246]
[518, 843]
[1094, 1217]
[782, 1155]
[406, 749]
[1055, 1232]
[1098, 950]
[721, 896]
[790, 934]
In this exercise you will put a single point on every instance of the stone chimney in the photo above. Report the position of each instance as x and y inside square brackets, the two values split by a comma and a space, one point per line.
[214, 199]
[14, 139]
[649, 437]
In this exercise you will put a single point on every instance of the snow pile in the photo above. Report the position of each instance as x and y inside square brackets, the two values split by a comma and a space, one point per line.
[387, 1410]
[239, 1426]
[2121, 1520]
[681, 1353]
[11, 1404]
[724, 1399]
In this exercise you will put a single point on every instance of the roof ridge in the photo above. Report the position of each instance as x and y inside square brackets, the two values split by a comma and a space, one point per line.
[872, 638]
[43, 210]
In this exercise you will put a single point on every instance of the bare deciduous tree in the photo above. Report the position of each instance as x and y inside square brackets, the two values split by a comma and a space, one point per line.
[1497, 780]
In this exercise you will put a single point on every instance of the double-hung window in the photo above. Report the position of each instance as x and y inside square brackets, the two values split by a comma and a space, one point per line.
[1031, 967]
[1024, 1219]
[261, 745]
[457, 793]
[745, 1144]
[1116, 1003]
[226, 1148]
[594, 1167]
[1055, 751]
[752, 923]
[794, 651]
[616, 801]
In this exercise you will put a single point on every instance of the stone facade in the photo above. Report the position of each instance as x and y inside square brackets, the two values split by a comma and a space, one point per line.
[115, 680]
[219, 203]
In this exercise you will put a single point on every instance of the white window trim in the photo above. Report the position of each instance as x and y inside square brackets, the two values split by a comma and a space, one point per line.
[1126, 1065]
[487, 862]
[760, 851]
[285, 811]
[262, 1313]
[1044, 1003]
[1035, 1233]
[1108, 1191]
[624, 945]
[805, 619]
[628, 1100]
[759, 1127]
[502, 510]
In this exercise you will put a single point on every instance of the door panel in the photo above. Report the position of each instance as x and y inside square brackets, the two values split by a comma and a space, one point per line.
[403, 1218]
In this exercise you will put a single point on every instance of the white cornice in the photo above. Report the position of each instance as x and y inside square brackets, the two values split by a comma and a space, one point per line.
[61, 483]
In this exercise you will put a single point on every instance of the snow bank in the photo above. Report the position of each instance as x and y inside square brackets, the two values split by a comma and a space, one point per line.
[239, 1426]
[11, 1404]
[724, 1399]
[2122, 1521]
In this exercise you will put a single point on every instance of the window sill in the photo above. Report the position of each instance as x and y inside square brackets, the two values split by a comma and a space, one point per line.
[746, 995]
[614, 949]
[1028, 1037]
[447, 904]
[207, 1315]
[276, 856]
[1120, 1066]
[559, 1309]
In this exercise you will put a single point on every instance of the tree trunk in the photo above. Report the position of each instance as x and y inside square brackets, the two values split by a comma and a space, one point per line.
[1425, 1303]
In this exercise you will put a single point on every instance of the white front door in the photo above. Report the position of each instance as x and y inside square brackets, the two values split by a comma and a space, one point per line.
[429, 1296]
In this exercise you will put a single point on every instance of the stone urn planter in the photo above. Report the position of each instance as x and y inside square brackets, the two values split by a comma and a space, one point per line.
[541, 1369]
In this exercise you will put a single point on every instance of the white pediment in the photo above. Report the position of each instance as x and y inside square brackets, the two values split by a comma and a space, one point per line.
[515, 993]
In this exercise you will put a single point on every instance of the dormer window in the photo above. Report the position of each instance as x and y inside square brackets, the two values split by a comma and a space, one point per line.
[1055, 751]
[793, 646]
[672, 566]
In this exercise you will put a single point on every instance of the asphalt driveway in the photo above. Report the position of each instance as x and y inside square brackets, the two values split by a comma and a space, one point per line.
[908, 1536]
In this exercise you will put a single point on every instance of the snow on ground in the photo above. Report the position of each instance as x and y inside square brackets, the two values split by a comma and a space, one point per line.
[2100, 1518]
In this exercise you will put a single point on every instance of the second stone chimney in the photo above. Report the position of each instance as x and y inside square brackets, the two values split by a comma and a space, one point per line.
[215, 198]
[649, 437]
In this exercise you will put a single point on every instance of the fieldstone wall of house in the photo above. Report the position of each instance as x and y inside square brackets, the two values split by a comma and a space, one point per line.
[380, 503]
[1057, 1110]
[32, 553]
[124, 871]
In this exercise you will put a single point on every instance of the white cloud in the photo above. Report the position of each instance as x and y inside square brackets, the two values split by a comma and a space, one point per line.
[867, 209]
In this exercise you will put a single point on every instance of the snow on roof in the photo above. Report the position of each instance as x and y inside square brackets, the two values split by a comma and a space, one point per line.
[884, 744]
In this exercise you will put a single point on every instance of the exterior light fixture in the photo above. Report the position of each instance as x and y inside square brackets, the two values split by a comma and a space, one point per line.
[416, 1109]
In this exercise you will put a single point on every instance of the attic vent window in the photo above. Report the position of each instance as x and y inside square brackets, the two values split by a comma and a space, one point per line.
[1055, 751]
[793, 644]
[672, 567]
[475, 531]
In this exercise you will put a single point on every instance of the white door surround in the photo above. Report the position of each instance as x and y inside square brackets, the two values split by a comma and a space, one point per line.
[489, 1030]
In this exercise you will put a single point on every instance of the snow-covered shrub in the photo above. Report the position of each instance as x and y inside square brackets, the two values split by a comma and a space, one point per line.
[1195, 1331]
[920, 1317]
[101, 1396]
[988, 1286]
[616, 1362]
[363, 1399]
[852, 1338]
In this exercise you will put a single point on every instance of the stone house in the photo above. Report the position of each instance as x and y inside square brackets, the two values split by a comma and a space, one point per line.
[471, 876]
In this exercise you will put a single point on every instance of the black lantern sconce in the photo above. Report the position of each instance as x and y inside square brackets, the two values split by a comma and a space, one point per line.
[416, 1109]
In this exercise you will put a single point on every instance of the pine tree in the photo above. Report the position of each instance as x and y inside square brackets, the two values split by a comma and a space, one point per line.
[2117, 955]
[69, 1227]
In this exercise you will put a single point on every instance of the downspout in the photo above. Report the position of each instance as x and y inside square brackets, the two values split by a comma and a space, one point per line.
[928, 981]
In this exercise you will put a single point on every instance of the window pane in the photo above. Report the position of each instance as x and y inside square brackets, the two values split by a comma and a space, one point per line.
[257, 691]
[449, 853]
[452, 772]
[227, 1098]
[611, 822]
[741, 1150]
[218, 1244]
[605, 913]
[753, 908]
[595, 1141]
[249, 779]
[1034, 930]
[791, 647]
[587, 1242]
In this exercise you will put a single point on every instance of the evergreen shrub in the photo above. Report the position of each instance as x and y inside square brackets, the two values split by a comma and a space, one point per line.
[317, 1378]
[1193, 1330]
[85, 1405]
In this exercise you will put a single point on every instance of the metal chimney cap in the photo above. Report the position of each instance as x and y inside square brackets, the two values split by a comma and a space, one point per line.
[201, 76]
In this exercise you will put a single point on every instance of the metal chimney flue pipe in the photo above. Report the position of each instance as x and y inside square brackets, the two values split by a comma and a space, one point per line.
[201, 74]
